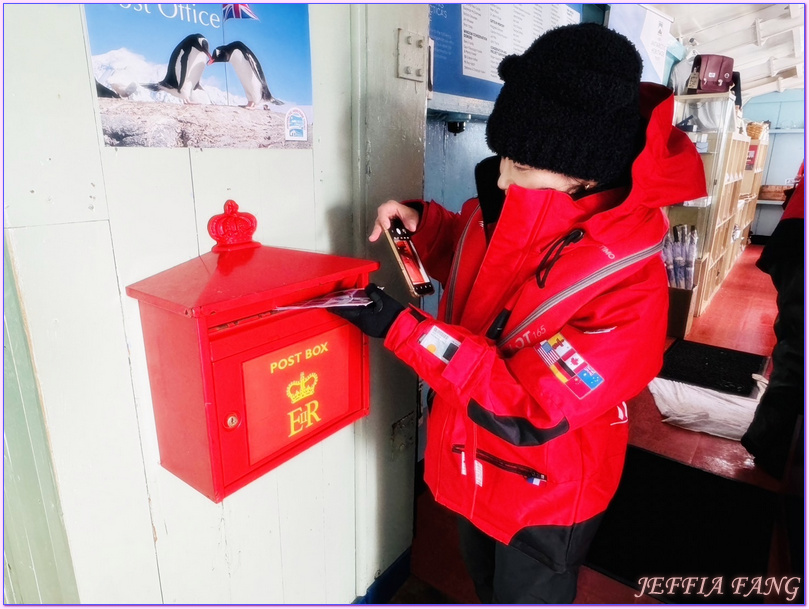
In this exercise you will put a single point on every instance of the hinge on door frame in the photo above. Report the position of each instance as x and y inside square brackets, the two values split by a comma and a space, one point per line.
[411, 50]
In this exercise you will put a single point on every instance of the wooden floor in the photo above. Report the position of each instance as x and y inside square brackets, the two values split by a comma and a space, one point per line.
[740, 317]
[742, 313]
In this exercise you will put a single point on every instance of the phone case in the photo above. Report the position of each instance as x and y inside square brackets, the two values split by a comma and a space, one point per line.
[417, 289]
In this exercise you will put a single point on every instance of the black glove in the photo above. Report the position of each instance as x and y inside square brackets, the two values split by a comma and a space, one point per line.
[374, 319]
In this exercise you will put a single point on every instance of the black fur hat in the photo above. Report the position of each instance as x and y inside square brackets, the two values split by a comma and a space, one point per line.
[570, 104]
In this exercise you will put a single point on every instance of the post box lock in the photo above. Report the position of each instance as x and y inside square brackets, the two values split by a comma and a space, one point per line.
[232, 421]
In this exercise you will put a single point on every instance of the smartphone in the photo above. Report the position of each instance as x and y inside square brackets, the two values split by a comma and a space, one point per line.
[417, 280]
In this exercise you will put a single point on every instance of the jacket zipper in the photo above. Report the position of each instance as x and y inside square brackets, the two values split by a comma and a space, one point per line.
[514, 468]
[455, 264]
[577, 287]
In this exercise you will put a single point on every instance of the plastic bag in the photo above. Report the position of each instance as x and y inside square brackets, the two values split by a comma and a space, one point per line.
[690, 257]
[698, 409]
[668, 261]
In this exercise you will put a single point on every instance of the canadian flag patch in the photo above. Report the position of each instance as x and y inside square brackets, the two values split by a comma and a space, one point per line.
[569, 366]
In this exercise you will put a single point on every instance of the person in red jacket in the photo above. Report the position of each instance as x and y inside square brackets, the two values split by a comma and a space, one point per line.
[554, 307]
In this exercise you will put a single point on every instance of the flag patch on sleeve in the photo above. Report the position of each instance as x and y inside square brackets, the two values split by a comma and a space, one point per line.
[568, 366]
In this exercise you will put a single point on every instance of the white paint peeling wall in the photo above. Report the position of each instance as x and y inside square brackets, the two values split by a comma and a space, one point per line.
[82, 222]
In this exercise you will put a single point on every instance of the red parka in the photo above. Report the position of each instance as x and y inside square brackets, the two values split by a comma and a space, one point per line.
[527, 433]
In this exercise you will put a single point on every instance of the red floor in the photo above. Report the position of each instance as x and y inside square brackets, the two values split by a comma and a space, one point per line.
[739, 317]
[742, 313]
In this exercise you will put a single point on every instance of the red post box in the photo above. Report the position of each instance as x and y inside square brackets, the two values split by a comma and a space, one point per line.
[238, 386]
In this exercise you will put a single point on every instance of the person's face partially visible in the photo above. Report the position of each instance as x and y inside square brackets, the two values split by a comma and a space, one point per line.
[537, 179]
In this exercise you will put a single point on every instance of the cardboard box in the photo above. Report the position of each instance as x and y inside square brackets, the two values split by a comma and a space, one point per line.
[769, 192]
[681, 311]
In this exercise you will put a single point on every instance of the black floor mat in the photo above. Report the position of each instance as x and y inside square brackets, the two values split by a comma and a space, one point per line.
[725, 370]
[669, 520]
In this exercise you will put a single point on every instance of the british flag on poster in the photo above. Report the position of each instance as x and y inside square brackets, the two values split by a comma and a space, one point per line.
[568, 366]
[238, 11]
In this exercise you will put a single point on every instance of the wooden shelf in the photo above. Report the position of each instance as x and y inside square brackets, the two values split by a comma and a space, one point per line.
[724, 225]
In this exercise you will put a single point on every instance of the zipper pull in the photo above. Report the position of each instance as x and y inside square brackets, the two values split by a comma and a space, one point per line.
[498, 325]
[536, 480]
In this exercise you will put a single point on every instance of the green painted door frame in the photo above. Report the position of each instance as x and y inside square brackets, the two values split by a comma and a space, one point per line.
[37, 568]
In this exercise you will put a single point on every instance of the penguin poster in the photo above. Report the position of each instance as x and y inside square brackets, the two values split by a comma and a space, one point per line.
[202, 75]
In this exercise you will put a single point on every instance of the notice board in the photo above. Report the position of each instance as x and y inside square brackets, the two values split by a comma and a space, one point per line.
[470, 40]
[648, 30]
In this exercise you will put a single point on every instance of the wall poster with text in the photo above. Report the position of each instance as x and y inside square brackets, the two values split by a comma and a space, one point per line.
[472, 39]
[649, 32]
[202, 75]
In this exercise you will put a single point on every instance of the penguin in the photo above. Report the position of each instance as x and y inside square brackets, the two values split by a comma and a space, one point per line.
[249, 71]
[102, 91]
[187, 61]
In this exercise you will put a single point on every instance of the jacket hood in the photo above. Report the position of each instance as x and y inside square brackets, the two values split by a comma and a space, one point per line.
[669, 169]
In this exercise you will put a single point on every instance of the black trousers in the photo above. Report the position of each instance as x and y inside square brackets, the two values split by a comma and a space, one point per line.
[504, 575]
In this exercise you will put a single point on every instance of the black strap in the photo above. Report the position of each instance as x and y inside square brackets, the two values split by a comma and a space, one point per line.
[491, 198]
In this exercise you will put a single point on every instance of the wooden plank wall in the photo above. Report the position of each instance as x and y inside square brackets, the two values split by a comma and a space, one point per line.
[82, 221]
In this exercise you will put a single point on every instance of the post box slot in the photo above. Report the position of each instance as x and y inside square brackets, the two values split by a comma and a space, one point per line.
[242, 321]
[266, 307]
[267, 329]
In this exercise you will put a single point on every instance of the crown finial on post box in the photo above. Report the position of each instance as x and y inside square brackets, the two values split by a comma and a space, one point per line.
[232, 230]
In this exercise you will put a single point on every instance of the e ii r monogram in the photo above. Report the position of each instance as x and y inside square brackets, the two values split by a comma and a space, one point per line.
[304, 416]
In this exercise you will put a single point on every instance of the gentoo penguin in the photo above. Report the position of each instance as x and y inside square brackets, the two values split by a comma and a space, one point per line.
[102, 91]
[187, 61]
[249, 71]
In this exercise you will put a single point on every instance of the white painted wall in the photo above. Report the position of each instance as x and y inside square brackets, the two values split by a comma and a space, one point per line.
[83, 221]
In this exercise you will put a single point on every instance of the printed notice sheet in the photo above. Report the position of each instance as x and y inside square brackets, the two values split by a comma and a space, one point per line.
[492, 31]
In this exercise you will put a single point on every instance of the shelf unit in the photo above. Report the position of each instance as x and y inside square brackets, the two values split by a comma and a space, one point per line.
[751, 184]
[724, 156]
